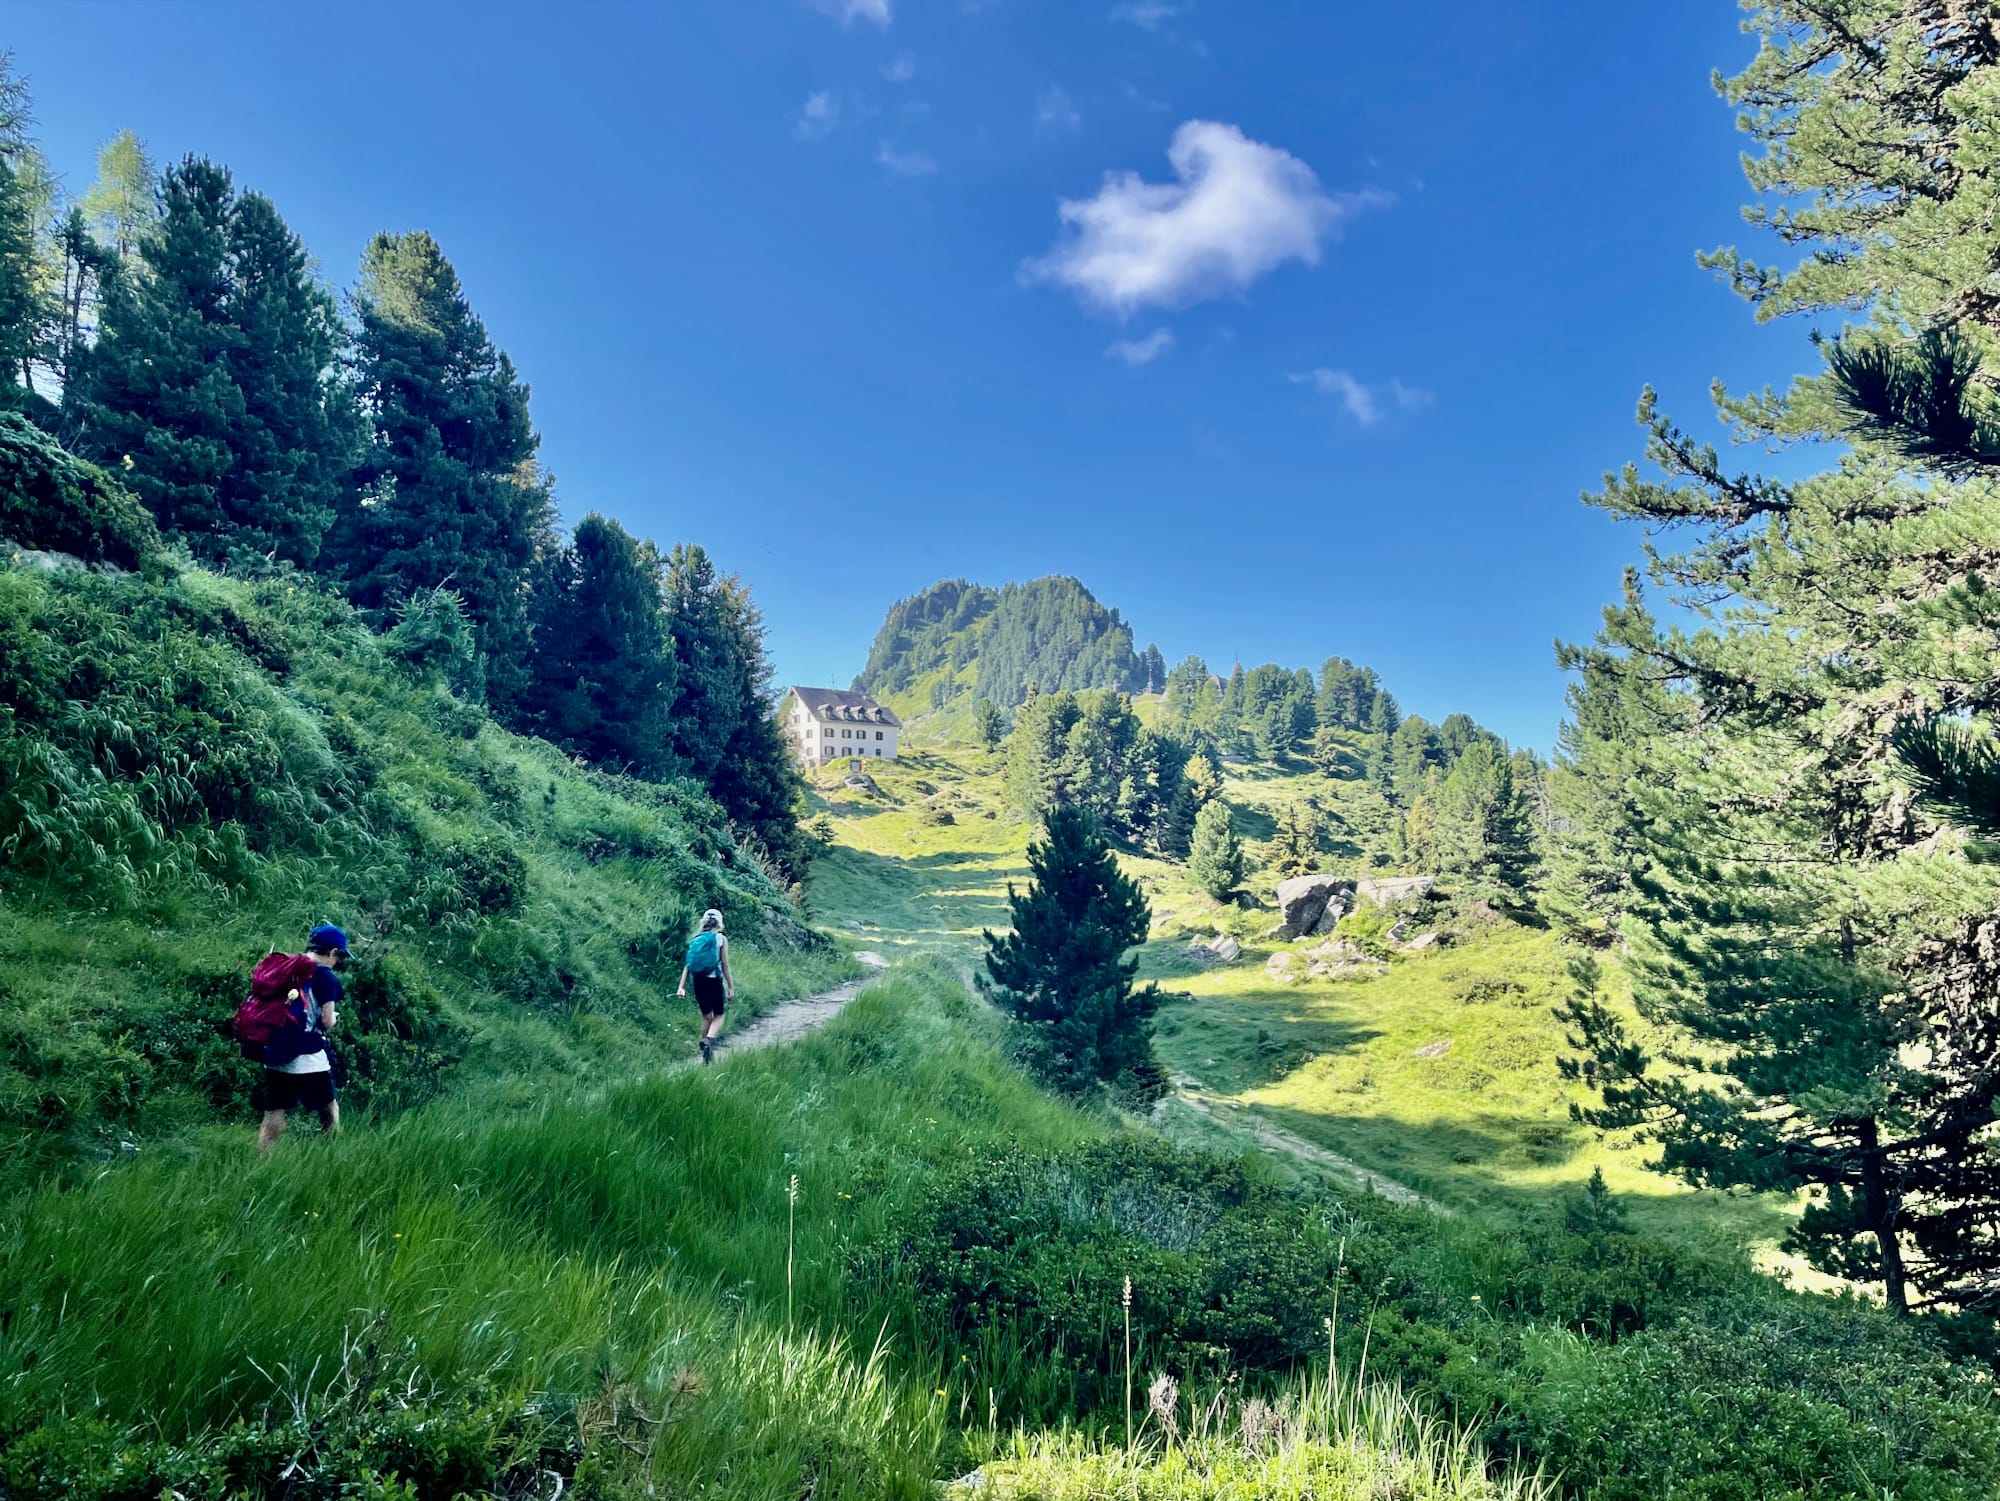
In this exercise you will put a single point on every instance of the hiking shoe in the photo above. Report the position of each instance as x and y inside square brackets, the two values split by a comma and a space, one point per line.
[708, 1050]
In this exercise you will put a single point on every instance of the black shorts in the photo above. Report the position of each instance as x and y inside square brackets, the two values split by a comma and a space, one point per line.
[709, 994]
[283, 1091]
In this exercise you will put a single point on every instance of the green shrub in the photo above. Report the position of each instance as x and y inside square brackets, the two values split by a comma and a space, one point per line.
[1228, 1272]
[458, 881]
[396, 1040]
[56, 503]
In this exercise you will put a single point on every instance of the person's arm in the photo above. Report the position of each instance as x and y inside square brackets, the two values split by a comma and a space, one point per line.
[682, 990]
[327, 1016]
[722, 957]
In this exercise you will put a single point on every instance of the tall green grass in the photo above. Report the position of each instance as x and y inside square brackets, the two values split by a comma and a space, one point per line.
[1336, 1436]
[626, 1239]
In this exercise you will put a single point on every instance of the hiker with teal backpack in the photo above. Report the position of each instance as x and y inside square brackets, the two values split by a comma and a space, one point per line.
[708, 963]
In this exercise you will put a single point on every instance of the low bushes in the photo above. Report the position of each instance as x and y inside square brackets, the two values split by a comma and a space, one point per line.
[1634, 1369]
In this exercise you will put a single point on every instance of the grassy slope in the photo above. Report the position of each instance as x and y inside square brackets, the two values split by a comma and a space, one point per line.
[628, 1243]
[511, 914]
[1484, 1128]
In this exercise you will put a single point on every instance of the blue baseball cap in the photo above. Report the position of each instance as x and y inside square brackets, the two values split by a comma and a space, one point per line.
[327, 936]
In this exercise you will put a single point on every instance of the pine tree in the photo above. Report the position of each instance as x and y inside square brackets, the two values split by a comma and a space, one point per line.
[604, 676]
[758, 782]
[1062, 973]
[1215, 857]
[448, 488]
[989, 724]
[24, 306]
[214, 372]
[1815, 966]
[1473, 829]
[1295, 851]
[724, 730]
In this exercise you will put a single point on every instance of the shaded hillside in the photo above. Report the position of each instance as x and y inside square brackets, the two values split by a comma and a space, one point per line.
[196, 767]
[958, 641]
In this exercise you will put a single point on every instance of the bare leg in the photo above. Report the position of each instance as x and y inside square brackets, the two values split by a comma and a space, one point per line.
[713, 1026]
[329, 1116]
[270, 1130]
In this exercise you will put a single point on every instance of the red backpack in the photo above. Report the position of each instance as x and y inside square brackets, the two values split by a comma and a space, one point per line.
[277, 980]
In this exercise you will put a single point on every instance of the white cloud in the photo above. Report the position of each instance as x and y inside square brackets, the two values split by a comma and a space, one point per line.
[848, 11]
[1239, 209]
[828, 110]
[818, 116]
[1055, 111]
[1147, 15]
[900, 69]
[1368, 405]
[1142, 351]
[904, 163]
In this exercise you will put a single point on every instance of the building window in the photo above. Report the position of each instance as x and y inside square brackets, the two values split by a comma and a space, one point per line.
[878, 734]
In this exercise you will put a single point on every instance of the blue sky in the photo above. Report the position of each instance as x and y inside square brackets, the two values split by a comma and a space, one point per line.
[1291, 328]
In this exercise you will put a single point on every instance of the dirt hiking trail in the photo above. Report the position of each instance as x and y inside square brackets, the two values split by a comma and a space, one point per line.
[792, 1020]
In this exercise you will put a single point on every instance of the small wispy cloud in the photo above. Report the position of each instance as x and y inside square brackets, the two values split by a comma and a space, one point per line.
[1369, 405]
[1236, 210]
[901, 68]
[827, 110]
[1147, 15]
[1142, 351]
[904, 162]
[847, 12]
[1055, 111]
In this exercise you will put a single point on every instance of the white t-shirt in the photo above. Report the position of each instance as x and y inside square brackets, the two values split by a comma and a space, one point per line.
[315, 1062]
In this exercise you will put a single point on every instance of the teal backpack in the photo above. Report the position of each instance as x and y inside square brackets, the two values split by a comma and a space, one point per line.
[704, 955]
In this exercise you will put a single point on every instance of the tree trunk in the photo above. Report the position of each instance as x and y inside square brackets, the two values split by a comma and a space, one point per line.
[1880, 1203]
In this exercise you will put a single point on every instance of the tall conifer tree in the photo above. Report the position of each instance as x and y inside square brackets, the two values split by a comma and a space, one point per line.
[449, 492]
[215, 373]
[604, 672]
[1815, 957]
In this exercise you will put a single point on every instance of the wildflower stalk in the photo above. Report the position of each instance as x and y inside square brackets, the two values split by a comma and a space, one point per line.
[1127, 1301]
[791, 1228]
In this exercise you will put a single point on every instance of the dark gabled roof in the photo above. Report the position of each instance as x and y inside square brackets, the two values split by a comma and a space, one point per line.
[844, 706]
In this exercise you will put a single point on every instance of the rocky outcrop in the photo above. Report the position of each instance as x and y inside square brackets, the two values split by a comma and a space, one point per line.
[1313, 904]
[1221, 949]
[1335, 960]
[1390, 891]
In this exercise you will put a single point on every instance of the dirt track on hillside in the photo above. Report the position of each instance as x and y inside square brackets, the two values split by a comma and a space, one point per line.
[792, 1020]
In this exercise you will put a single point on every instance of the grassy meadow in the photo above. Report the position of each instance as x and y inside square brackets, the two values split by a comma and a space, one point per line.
[1483, 1127]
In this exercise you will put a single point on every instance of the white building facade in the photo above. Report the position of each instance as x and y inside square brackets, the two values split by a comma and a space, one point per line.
[833, 724]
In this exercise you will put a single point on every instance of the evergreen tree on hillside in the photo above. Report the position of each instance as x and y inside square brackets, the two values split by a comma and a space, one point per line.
[759, 782]
[1156, 670]
[1215, 857]
[1411, 755]
[989, 724]
[1815, 966]
[1062, 973]
[449, 490]
[1295, 851]
[25, 201]
[1471, 826]
[724, 727]
[119, 206]
[1184, 683]
[214, 372]
[1592, 849]
[605, 676]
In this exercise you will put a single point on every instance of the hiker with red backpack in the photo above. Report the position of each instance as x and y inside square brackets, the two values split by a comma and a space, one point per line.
[284, 1025]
